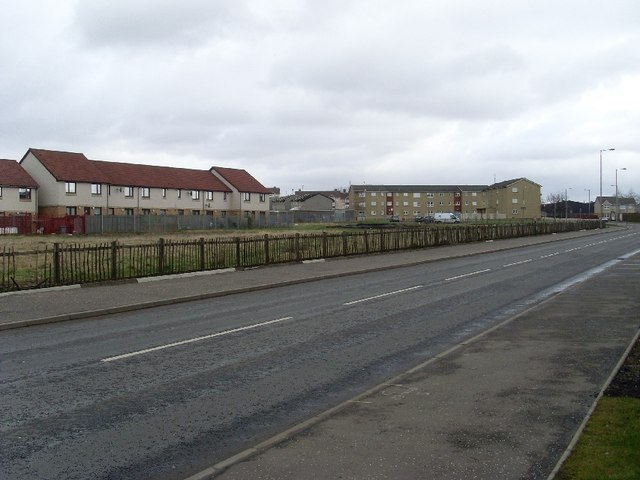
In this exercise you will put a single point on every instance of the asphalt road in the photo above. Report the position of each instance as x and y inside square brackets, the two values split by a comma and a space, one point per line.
[164, 393]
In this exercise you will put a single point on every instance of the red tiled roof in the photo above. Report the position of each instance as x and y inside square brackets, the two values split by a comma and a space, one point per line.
[69, 166]
[13, 175]
[136, 175]
[241, 180]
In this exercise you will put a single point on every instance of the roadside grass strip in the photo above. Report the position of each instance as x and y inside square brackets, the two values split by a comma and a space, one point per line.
[609, 447]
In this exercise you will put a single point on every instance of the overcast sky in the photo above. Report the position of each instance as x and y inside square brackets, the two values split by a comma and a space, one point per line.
[322, 94]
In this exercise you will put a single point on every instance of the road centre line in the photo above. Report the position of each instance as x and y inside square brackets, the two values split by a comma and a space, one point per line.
[193, 340]
[550, 255]
[396, 292]
[517, 263]
[467, 274]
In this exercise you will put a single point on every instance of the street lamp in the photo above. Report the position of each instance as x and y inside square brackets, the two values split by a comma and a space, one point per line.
[602, 150]
[617, 199]
[588, 202]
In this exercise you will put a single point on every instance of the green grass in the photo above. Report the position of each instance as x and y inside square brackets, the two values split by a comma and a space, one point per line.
[609, 447]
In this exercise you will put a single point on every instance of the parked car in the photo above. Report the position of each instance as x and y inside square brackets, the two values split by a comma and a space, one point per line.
[425, 219]
[394, 218]
[446, 218]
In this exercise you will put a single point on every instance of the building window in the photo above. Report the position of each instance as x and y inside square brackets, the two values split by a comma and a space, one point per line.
[146, 211]
[416, 204]
[128, 211]
[514, 189]
[224, 196]
[406, 194]
[195, 194]
[263, 198]
[373, 194]
[429, 194]
[416, 195]
[247, 196]
[209, 196]
[163, 211]
[24, 193]
[195, 212]
[514, 211]
[145, 192]
[362, 194]
[180, 212]
[128, 192]
[70, 188]
[111, 211]
[429, 204]
[72, 211]
[514, 200]
[164, 193]
[179, 193]
[97, 210]
[0, 192]
[373, 213]
[374, 204]
[96, 189]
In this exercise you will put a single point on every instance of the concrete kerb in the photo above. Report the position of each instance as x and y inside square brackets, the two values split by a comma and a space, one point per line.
[232, 291]
[576, 437]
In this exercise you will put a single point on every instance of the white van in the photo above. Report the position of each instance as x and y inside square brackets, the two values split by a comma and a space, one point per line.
[446, 218]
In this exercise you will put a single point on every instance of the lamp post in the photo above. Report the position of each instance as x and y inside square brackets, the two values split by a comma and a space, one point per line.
[617, 199]
[602, 150]
[589, 201]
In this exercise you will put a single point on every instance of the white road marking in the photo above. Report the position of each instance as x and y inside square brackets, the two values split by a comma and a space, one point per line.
[193, 340]
[467, 274]
[550, 255]
[383, 295]
[517, 263]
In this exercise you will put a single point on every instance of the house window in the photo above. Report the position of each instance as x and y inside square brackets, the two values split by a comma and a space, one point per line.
[146, 211]
[111, 211]
[195, 212]
[180, 212]
[163, 211]
[145, 192]
[362, 194]
[224, 196]
[429, 194]
[179, 193]
[0, 192]
[429, 204]
[514, 200]
[128, 211]
[24, 193]
[97, 210]
[96, 189]
[70, 187]
[128, 192]
[209, 196]
[416, 195]
[405, 204]
[406, 194]
[373, 194]
[514, 211]
[374, 204]
[373, 213]
[72, 211]
[164, 193]
[247, 196]
[195, 194]
[514, 189]
[263, 198]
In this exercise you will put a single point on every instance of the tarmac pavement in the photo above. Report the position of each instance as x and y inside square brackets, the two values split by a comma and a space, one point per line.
[505, 404]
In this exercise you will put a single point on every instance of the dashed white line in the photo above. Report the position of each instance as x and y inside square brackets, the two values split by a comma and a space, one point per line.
[550, 255]
[517, 263]
[467, 274]
[192, 340]
[382, 295]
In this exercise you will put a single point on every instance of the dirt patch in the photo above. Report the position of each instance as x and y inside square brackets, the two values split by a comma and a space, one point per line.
[627, 381]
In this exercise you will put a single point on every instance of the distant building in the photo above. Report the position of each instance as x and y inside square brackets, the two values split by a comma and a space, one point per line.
[18, 190]
[316, 202]
[512, 199]
[612, 208]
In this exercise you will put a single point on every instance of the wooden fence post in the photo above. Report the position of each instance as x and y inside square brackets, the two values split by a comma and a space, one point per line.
[56, 263]
[114, 260]
[325, 245]
[296, 246]
[238, 262]
[160, 256]
[381, 240]
[366, 241]
[202, 257]
[267, 258]
[345, 244]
